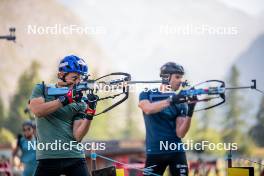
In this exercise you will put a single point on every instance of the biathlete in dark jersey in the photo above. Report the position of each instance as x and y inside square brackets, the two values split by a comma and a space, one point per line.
[166, 122]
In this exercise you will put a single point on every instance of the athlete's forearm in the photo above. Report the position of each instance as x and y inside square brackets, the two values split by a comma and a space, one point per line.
[14, 152]
[158, 106]
[152, 108]
[183, 128]
[44, 109]
[81, 129]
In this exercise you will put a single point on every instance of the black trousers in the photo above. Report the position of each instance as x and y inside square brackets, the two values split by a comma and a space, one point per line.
[176, 161]
[62, 166]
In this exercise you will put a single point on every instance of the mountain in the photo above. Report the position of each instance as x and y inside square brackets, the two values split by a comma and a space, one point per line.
[204, 36]
[45, 47]
[250, 64]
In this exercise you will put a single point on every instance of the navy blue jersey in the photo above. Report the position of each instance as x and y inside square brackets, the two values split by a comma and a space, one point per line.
[161, 126]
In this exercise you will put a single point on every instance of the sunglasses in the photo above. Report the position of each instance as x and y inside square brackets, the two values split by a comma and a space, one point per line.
[74, 78]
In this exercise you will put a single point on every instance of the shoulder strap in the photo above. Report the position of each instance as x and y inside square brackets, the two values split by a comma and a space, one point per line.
[19, 137]
[43, 89]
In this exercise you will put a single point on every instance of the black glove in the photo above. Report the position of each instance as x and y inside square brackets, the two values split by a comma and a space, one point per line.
[91, 106]
[177, 98]
[191, 105]
[70, 97]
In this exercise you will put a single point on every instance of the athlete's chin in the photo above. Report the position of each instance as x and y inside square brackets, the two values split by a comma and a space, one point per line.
[176, 88]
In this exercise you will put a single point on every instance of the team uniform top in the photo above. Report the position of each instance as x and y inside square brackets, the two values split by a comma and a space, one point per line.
[161, 126]
[57, 127]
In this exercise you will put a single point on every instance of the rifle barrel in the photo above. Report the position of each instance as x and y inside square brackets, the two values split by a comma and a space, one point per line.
[243, 87]
[144, 82]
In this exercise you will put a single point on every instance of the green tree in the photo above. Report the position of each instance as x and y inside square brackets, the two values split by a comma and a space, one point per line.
[257, 131]
[131, 129]
[109, 125]
[2, 113]
[99, 129]
[202, 131]
[19, 101]
[117, 123]
[206, 117]
[233, 124]
[6, 137]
